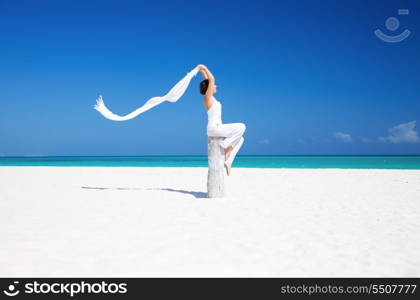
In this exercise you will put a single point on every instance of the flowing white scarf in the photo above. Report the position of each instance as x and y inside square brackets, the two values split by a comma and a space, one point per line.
[172, 96]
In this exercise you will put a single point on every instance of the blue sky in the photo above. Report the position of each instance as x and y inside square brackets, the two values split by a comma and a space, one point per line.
[307, 77]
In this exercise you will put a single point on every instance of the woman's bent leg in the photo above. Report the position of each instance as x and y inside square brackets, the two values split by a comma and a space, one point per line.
[233, 137]
[233, 132]
[235, 151]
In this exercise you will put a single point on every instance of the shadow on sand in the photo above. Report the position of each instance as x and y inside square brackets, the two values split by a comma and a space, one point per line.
[198, 195]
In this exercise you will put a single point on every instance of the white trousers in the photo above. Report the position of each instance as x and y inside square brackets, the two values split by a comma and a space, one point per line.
[233, 134]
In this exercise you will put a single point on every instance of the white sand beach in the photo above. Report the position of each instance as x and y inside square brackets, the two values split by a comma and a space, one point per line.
[91, 221]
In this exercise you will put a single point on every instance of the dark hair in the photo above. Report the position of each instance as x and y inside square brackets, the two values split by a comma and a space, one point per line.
[203, 86]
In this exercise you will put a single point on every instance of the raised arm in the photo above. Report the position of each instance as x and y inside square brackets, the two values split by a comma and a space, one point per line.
[203, 72]
[207, 75]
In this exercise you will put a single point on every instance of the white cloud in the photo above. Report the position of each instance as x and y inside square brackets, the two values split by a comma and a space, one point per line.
[264, 142]
[344, 137]
[402, 133]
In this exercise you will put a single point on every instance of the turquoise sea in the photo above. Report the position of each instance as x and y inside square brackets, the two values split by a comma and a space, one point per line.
[311, 162]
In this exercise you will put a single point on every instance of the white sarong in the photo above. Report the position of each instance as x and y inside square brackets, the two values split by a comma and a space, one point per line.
[172, 96]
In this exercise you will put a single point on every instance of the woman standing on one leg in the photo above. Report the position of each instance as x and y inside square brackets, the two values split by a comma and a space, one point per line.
[232, 132]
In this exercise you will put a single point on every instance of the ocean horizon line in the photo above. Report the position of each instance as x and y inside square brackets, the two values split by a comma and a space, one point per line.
[201, 155]
[241, 161]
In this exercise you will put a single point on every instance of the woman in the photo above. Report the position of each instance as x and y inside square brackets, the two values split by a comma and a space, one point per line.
[233, 132]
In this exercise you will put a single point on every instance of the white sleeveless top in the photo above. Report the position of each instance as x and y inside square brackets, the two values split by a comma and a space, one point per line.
[214, 114]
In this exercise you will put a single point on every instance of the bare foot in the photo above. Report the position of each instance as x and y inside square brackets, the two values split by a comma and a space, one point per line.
[228, 168]
[228, 150]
